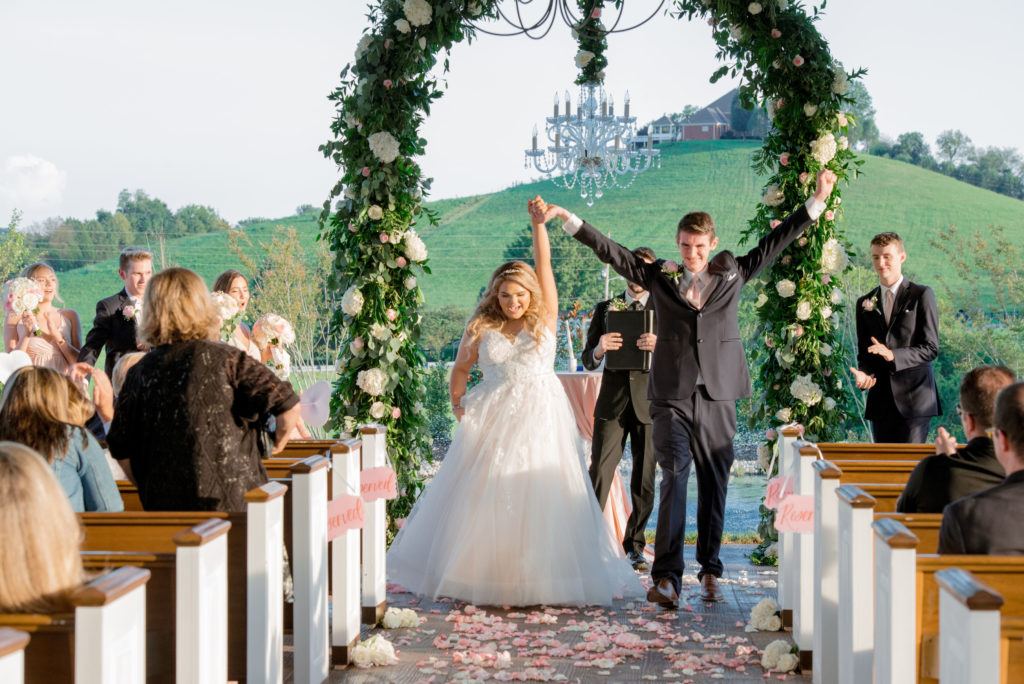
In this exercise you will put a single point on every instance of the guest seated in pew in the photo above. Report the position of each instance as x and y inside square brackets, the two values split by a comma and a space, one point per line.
[953, 473]
[44, 410]
[989, 522]
[39, 535]
[189, 416]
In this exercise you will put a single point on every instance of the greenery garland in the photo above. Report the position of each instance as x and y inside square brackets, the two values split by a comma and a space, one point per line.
[370, 216]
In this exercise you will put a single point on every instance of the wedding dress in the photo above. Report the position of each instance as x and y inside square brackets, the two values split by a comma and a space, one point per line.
[511, 518]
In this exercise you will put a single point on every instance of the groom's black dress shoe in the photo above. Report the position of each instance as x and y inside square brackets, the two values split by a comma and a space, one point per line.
[639, 563]
[664, 594]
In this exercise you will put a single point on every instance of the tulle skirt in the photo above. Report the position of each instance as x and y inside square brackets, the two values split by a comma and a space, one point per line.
[511, 518]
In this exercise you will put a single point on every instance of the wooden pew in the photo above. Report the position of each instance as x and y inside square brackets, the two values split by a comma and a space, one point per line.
[924, 526]
[102, 640]
[1011, 649]
[12, 655]
[875, 471]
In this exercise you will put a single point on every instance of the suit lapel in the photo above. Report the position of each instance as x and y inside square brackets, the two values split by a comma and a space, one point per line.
[898, 302]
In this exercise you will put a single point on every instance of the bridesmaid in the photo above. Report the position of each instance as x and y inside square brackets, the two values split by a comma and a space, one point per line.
[234, 283]
[60, 331]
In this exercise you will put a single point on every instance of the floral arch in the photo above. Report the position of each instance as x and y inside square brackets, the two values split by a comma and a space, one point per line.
[369, 218]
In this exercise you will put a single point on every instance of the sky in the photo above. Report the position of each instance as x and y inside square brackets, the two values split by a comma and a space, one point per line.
[224, 102]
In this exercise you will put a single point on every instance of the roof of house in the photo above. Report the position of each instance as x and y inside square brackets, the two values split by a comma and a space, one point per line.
[718, 112]
[663, 121]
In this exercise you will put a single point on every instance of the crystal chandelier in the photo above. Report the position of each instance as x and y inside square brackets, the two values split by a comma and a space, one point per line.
[593, 148]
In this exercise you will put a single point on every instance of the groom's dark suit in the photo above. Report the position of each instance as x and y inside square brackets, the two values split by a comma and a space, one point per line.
[110, 328]
[622, 410]
[691, 421]
[904, 397]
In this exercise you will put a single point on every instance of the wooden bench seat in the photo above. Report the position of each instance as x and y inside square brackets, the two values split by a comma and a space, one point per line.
[1011, 649]
[861, 451]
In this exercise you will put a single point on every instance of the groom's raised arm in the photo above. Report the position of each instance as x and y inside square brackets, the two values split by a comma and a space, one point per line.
[626, 264]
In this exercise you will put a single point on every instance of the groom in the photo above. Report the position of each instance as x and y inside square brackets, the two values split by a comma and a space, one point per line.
[698, 372]
[117, 315]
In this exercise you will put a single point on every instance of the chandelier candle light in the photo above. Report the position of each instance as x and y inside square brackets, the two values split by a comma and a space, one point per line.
[593, 148]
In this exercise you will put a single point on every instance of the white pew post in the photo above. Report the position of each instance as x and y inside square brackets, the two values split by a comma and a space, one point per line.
[201, 603]
[12, 655]
[969, 640]
[264, 644]
[788, 438]
[375, 530]
[345, 559]
[110, 628]
[310, 633]
[895, 602]
[826, 573]
[803, 547]
[856, 585]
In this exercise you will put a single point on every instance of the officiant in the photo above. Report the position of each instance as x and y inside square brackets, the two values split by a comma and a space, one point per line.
[623, 412]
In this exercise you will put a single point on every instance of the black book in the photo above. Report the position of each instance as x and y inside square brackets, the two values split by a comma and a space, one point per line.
[631, 325]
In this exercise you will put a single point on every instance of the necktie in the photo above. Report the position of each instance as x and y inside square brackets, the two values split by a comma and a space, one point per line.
[693, 292]
[635, 305]
[888, 305]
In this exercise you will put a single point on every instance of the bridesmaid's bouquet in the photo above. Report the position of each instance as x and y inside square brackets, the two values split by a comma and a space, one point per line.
[22, 295]
[271, 330]
[227, 309]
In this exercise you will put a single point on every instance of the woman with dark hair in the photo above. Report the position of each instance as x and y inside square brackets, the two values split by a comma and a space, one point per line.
[236, 285]
[189, 415]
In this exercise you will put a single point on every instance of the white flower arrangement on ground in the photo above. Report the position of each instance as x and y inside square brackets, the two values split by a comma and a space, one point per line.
[806, 390]
[779, 657]
[418, 12]
[374, 652]
[765, 617]
[227, 310]
[400, 618]
[384, 146]
[834, 258]
[372, 381]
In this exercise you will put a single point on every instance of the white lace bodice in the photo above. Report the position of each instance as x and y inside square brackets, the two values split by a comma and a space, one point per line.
[501, 359]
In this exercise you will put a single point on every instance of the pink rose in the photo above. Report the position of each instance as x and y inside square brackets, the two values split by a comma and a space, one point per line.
[784, 158]
[774, 223]
[670, 267]
[785, 260]
[803, 177]
[776, 33]
[829, 215]
[358, 343]
[129, 311]
[770, 433]
[798, 61]
[399, 522]
[387, 44]
[366, 172]
[596, 14]
[798, 330]
[868, 305]
[396, 413]
[351, 227]
[387, 83]
[391, 314]
[775, 387]
[383, 237]
[826, 279]
[828, 372]
[401, 262]
[779, 104]
[802, 242]
[769, 342]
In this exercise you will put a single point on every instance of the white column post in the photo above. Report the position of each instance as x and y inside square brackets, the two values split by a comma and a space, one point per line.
[803, 547]
[895, 602]
[110, 628]
[12, 655]
[201, 603]
[310, 632]
[265, 584]
[345, 559]
[786, 580]
[856, 585]
[375, 530]
[969, 640]
[826, 573]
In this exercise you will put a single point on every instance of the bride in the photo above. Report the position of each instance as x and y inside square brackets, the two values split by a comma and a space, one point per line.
[511, 518]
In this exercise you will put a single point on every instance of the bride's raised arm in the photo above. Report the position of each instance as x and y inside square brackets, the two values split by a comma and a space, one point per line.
[542, 260]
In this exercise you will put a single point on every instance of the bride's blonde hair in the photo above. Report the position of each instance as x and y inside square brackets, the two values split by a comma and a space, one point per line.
[488, 314]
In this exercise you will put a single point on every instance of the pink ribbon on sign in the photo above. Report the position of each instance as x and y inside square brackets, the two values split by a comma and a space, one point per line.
[344, 513]
[378, 483]
[778, 489]
[795, 514]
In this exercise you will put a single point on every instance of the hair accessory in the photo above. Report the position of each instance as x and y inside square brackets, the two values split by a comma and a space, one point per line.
[509, 271]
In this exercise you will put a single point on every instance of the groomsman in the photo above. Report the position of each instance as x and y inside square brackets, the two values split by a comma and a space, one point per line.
[897, 340]
[623, 410]
[117, 315]
[698, 372]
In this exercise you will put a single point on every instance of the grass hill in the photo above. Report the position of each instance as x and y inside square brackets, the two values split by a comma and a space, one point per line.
[710, 176]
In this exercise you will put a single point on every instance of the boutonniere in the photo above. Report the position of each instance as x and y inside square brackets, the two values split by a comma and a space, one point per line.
[870, 304]
[617, 305]
[131, 312]
[671, 269]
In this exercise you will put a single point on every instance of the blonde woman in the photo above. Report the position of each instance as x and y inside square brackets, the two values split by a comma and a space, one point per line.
[39, 535]
[43, 409]
[51, 337]
[511, 517]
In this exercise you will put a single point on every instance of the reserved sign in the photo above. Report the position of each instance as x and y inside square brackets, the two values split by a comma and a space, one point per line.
[378, 483]
[778, 489]
[346, 512]
[795, 514]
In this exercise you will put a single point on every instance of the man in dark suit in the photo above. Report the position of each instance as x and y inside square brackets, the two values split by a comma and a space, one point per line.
[989, 522]
[897, 340]
[623, 410]
[117, 315]
[954, 473]
[698, 372]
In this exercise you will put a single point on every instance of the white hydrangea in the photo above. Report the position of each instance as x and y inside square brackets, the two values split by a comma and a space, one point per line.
[765, 608]
[352, 301]
[384, 146]
[583, 58]
[403, 26]
[773, 196]
[837, 296]
[840, 82]
[783, 414]
[843, 142]
[414, 247]
[785, 288]
[410, 282]
[834, 259]
[826, 311]
[418, 12]
[806, 390]
[788, 662]
[377, 410]
[372, 381]
[363, 46]
[773, 652]
[810, 109]
[803, 310]
[824, 148]
[398, 618]
[376, 650]
[829, 403]
[375, 212]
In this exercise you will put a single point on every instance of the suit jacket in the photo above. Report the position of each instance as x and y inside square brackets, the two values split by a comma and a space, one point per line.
[110, 328]
[692, 341]
[619, 388]
[987, 522]
[906, 384]
[940, 479]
